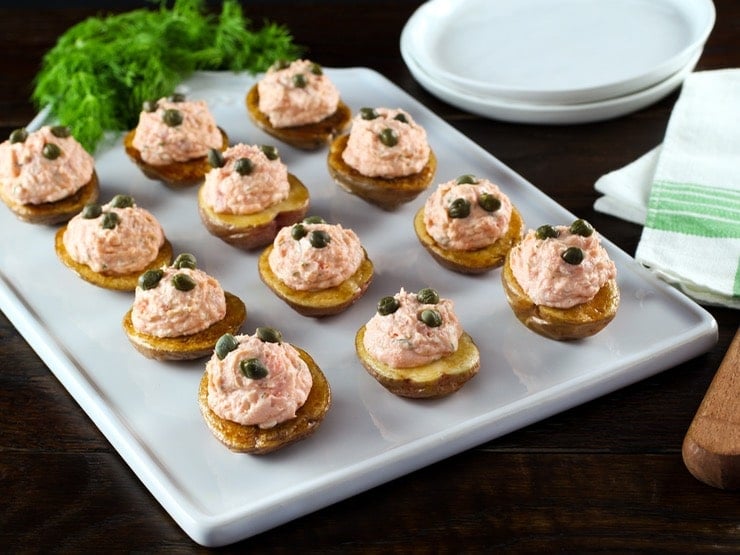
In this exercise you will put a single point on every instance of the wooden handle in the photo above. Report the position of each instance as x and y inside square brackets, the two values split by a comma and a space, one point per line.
[711, 448]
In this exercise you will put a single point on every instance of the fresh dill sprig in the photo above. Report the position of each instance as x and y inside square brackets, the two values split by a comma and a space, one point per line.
[102, 69]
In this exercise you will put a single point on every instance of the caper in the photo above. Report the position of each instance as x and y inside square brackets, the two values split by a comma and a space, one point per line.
[51, 151]
[269, 335]
[298, 232]
[489, 202]
[270, 151]
[314, 220]
[388, 305]
[546, 231]
[572, 255]
[122, 201]
[60, 131]
[18, 135]
[319, 238]
[216, 158]
[316, 69]
[368, 113]
[253, 368]
[280, 64]
[401, 117]
[582, 228]
[427, 295]
[299, 80]
[431, 317]
[110, 220]
[243, 166]
[150, 279]
[176, 97]
[91, 211]
[459, 208]
[225, 344]
[466, 179]
[149, 106]
[172, 117]
[185, 260]
[183, 282]
[388, 137]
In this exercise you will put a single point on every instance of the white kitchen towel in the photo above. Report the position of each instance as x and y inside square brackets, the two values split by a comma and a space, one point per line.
[686, 192]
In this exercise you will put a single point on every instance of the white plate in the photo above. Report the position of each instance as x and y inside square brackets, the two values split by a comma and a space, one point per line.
[148, 410]
[529, 112]
[556, 51]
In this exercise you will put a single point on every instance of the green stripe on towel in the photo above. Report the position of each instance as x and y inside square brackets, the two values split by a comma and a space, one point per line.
[705, 190]
[694, 210]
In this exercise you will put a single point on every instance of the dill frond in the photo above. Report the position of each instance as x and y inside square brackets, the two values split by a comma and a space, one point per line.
[101, 70]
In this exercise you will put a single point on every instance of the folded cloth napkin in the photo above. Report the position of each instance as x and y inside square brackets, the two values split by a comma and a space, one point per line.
[686, 192]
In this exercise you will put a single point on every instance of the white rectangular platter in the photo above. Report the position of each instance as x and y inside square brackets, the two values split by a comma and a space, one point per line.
[148, 410]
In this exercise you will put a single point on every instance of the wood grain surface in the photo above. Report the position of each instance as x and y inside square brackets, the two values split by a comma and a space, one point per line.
[711, 448]
[605, 476]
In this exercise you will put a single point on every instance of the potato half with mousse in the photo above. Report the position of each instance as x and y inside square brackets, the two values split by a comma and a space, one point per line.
[172, 139]
[385, 158]
[468, 225]
[317, 268]
[415, 346]
[259, 393]
[46, 176]
[298, 104]
[179, 312]
[560, 281]
[111, 245]
[248, 196]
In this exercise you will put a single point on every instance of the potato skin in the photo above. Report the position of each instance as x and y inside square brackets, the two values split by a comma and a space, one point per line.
[324, 302]
[311, 136]
[177, 175]
[257, 441]
[60, 211]
[116, 282]
[436, 379]
[562, 324]
[471, 262]
[187, 347]
[253, 231]
[387, 193]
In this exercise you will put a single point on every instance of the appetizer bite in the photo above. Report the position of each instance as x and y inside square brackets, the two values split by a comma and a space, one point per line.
[385, 159]
[468, 225]
[172, 140]
[297, 103]
[260, 393]
[112, 245]
[179, 312]
[46, 177]
[249, 195]
[560, 281]
[415, 346]
[317, 268]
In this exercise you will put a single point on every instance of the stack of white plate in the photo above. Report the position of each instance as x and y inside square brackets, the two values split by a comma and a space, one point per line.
[555, 61]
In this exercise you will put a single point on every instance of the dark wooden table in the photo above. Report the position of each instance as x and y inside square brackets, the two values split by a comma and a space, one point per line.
[607, 475]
